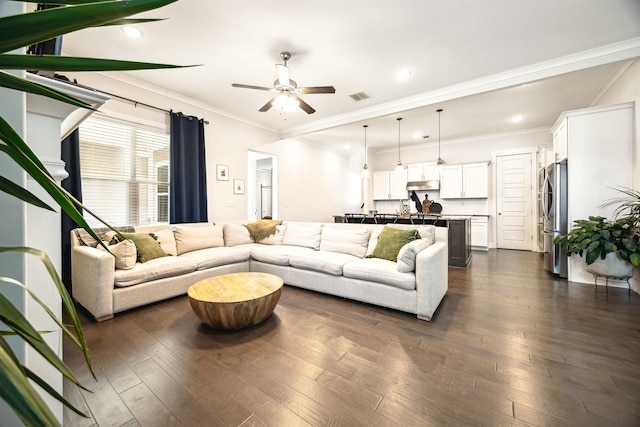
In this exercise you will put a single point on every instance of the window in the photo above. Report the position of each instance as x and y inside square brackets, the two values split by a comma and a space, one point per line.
[125, 172]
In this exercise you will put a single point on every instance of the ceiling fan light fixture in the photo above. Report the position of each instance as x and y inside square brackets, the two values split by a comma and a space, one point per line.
[286, 103]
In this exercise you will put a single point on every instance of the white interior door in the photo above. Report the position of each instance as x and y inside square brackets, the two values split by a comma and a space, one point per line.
[513, 201]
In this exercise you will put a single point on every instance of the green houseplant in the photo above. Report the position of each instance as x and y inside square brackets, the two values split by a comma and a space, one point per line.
[19, 31]
[627, 206]
[597, 236]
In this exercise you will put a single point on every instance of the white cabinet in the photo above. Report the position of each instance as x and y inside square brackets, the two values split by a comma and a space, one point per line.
[598, 143]
[480, 232]
[389, 185]
[561, 139]
[422, 172]
[467, 181]
[546, 156]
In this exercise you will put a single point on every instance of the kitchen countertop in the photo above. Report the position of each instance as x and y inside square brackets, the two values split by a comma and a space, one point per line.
[415, 218]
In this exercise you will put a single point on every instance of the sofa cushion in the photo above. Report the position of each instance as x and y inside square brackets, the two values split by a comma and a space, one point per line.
[147, 246]
[277, 237]
[125, 253]
[191, 237]
[167, 241]
[322, 261]
[236, 234]
[214, 257]
[344, 239]
[278, 255]
[154, 269]
[304, 235]
[407, 254]
[426, 232]
[104, 233]
[379, 271]
[391, 240]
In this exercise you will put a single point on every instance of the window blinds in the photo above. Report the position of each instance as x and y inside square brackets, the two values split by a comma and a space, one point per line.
[125, 172]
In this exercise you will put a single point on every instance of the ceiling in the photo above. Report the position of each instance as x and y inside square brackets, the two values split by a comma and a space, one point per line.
[482, 61]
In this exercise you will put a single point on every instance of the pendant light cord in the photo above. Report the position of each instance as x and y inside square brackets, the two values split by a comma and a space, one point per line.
[365, 144]
[399, 157]
[440, 161]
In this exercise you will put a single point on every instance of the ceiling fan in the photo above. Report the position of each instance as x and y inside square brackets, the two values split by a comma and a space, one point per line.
[287, 90]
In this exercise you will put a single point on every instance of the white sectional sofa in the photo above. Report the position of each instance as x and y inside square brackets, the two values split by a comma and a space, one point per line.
[323, 257]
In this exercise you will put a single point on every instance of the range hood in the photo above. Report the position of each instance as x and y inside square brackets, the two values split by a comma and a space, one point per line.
[423, 185]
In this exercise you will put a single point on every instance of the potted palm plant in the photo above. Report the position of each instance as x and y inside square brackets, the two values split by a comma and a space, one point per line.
[18, 31]
[609, 247]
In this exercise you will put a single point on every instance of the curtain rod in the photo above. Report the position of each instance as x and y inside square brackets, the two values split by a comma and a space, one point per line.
[133, 101]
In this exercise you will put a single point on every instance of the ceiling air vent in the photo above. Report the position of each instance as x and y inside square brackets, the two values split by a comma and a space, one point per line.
[359, 96]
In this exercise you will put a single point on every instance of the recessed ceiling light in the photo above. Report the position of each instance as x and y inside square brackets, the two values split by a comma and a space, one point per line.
[403, 74]
[416, 135]
[517, 118]
[132, 32]
[347, 147]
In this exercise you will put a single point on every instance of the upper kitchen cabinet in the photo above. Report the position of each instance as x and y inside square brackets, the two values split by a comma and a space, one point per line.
[423, 172]
[389, 185]
[467, 181]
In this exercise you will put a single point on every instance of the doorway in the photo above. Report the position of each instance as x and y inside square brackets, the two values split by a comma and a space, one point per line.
[262, 186]
[514, 204]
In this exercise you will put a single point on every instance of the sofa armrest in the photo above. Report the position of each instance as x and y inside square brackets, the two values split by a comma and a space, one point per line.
[92, 279]
[432, 278]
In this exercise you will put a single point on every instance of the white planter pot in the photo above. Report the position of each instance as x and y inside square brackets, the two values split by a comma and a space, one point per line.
[611, 266]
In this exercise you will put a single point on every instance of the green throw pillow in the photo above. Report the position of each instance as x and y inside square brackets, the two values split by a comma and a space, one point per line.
[146, 245]
[391, 240]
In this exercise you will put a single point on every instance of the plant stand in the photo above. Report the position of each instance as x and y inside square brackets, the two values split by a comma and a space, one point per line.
[607, 278]
[611, 268]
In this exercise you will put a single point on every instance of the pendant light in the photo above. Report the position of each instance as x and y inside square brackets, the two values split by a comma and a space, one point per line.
[439, 162]
[399, 166]
[365, 168]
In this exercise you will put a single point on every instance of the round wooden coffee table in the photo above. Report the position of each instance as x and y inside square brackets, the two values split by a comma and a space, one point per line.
[234, 301]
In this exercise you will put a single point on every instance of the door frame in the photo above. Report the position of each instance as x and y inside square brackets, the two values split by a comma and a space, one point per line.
[493, 207]
[252, 158]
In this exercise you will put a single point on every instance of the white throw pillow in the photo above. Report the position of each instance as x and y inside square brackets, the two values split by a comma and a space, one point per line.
[345, 239]
[125, 253]
[236, 234]
[167, 241]
[373, 240]
[191, 237]
[304, 235]
[277, 237]
[408, 253]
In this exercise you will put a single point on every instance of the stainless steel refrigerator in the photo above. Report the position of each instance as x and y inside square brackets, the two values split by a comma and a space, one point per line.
[554, 211]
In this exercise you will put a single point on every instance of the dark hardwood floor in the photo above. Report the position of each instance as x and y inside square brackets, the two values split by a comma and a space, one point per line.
[510, 345]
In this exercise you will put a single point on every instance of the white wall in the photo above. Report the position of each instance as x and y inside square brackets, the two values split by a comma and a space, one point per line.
[627, 89]
[313, 183]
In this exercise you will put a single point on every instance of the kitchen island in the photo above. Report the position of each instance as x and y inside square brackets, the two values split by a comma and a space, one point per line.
[459, 230]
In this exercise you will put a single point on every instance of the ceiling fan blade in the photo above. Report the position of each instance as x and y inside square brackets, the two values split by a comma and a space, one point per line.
[267, 106]
[283, 74]
[306, 107]
[317, 89]
[251, 87]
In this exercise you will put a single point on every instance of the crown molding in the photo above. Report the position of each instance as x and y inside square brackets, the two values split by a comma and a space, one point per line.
[625, 50]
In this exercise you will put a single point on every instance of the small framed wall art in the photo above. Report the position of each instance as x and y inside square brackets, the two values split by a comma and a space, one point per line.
[238, 186]
[222, 172]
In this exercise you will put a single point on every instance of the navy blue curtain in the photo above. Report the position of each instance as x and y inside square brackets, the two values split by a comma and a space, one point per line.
[70, 154]
[188, 175]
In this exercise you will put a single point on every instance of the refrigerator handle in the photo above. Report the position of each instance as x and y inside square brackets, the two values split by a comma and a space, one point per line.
[543, 198]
